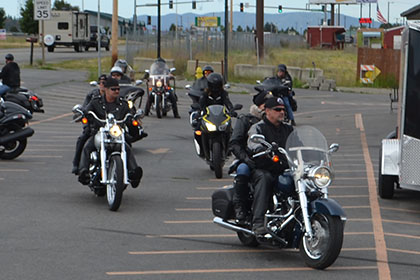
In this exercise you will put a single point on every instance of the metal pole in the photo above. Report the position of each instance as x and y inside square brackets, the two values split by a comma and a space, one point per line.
[158, 35]
[135, 17]
[361, 13]
[370, 6]
[260, 28]
[99, 41]
[231, 15]
[176, 29]
[43, 45]
[225, 72]
[114, 32]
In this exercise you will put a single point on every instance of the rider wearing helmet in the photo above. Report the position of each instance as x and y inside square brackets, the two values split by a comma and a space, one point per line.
[125, 68]
[10, 74]
[117, 73]
[214, 93]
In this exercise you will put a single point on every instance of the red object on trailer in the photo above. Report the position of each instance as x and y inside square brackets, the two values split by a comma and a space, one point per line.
[325, 36]
[392, 37]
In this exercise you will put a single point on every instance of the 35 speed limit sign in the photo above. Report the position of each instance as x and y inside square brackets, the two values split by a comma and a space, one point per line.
[42, 9]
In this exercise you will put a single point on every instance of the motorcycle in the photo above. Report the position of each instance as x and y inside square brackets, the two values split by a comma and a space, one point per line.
[13, 129]
[25, 98]
[108, 163]
[159, 88]
[212, 132]
[302, 216]
[133, 94]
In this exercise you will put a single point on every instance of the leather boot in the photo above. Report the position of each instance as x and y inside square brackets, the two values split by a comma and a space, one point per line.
[240, 196]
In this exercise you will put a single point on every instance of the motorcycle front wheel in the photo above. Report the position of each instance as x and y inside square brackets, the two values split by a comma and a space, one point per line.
[115, 187]
[217, 160]
[323, 248]
[159, 106]
[15, 148]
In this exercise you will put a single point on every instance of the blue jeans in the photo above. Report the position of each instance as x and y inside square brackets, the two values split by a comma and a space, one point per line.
[243, 169]
[4, 89]
[288, 108]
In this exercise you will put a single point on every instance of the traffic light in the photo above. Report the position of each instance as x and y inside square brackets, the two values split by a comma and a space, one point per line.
[280, 9]
[194, 4]
[241, 7]
[171, 4]
[149, 20]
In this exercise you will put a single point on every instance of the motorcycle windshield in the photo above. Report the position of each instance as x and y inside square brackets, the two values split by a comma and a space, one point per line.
[159, 68]
[307, 145]
[216, 114]
[274, 85]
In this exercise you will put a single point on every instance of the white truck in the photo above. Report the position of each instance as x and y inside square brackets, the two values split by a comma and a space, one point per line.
[399, 157]
[66, 28]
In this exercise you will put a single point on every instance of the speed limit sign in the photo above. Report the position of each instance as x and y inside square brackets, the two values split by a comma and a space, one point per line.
[42, 9]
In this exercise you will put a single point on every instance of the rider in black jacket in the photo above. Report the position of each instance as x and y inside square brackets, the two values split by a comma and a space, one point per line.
[10, 75]
[286, 80]
[109, 103]
[214, 93]
[238, 146]
[266, 172]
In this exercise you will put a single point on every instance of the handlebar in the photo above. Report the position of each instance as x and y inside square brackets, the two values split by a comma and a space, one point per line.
[272, 148]
[104, 121]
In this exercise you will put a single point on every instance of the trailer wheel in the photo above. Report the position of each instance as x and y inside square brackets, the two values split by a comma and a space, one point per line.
[77, 47]
[50, 48]
[386, 183]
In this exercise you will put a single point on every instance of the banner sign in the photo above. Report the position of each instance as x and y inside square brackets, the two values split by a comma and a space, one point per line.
[207, 21]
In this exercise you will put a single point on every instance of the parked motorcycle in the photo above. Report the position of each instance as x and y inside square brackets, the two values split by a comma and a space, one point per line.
[13, 129]
[160, 87]
[108, 163]
[302, 215]
[212, 132]
[25, 98]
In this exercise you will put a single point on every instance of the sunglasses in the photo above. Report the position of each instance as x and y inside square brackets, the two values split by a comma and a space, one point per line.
[102, 82]
[278, 109]
[115, 88]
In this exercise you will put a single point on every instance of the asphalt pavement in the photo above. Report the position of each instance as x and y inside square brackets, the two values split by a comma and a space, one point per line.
[54, 228]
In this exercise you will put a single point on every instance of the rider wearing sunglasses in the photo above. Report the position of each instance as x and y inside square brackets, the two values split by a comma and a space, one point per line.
[264, 175]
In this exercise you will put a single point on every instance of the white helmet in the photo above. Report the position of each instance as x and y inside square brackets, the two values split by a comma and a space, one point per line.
[116, 69]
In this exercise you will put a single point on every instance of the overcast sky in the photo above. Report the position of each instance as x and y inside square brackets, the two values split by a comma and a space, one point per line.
[126, 7]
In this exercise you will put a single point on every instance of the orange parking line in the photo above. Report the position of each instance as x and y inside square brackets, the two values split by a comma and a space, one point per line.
[355, 207]
[192, 209]
[51, 119]
[404, 251]
[359, 233]
[227, 270]
[208, 188]
[191, 236]
[400, 209]
[401, 222]
[381, 253]
[402, 235]
[349, 196]
[189, 222]
[198, 198]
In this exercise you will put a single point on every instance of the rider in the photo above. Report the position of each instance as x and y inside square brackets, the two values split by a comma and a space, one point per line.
[10, 74]
[81, 140]
[125, 68]
[238, 146]
[214, 93]
[286, 80]
[199, 86]
[266, 172]
[110, 102]
[117, 73]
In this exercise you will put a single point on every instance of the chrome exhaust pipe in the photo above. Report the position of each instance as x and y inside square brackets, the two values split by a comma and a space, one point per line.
[230, 226]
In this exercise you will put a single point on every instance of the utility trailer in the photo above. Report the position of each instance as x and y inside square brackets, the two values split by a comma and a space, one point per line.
[66, 28]
[399, 164]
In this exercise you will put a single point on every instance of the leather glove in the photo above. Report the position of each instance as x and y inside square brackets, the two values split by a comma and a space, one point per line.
[233, 114]
[251, 164]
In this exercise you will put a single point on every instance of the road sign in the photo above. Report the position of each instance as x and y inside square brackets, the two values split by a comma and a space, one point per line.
[368, 73]
[42, 9]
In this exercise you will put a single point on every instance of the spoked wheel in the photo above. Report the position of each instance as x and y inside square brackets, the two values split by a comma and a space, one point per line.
[248, 239]
[324, 247]
[217, 160]
[159, 106]
[15, 148]
[114, 189]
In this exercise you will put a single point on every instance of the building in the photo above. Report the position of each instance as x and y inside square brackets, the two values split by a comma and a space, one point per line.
[326, 36]
[106, 22]
[412, 14]
[392, 38]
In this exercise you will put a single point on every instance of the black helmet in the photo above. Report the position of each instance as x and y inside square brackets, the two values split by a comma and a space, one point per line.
[122, 64]
[159, 59]
[215, 82]
[9, 56]
[208, 68]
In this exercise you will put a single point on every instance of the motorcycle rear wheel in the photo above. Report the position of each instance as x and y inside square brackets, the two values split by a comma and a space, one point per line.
[114, 190]
[217, 160]
[248, 240]
[13, 149]
[323, 249]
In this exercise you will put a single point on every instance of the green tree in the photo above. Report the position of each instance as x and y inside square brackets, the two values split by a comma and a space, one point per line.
[239, 29]
[2, 17]
[27, 22]
[62, 5]
[270, 27]
[172, 27]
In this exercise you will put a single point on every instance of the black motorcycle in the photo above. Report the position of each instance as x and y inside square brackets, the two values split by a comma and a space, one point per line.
[160, 87]
[13, 129]
[302, 215]
[25, 98]
[212, 132]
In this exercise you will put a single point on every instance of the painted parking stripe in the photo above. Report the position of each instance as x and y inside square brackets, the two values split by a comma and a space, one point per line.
[404, 251]
[402, 235]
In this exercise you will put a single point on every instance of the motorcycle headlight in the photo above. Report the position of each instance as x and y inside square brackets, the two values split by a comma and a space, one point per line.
[159, 83]
[115, 131]
[321, 176]
[210, 126]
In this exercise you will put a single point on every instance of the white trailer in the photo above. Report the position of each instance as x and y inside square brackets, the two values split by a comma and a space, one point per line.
[65, 28]
[399, 164]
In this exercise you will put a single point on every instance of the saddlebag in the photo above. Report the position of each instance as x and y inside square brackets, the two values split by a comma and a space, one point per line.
[222, 203]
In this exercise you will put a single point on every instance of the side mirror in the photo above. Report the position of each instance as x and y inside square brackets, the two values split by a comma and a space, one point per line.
[93, 84]
[187, 87]
[237, 107]
[333, 148]
[147, 71]
[139, 114]
[138, 82]
[226, 86]
[257, 138]
[172, 69]
[146, 75]
[77, 109]
[258, 82]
